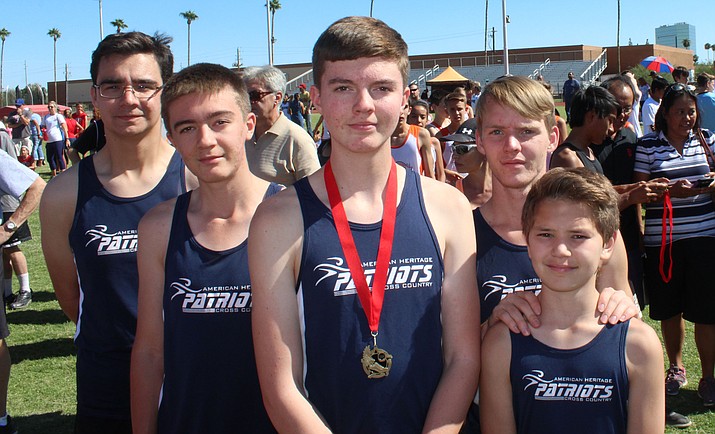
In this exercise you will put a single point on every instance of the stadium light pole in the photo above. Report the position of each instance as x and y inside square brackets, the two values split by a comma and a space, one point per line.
[505, 21]
[101, 25]
[372, 3]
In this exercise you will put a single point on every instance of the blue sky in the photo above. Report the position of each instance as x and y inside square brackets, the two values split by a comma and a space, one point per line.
[227, 25]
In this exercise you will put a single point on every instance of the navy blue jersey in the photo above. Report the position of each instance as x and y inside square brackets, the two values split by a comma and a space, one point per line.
[210, 379]
[335, 329]
[582, 390]
[502, 267]
[103, 239]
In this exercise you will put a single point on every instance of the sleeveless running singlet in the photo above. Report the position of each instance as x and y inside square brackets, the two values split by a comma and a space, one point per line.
[502, 268]
[408, 154]
[335, 330]
[593, 165]
[210, 379]
[582, 390]
[103, 238]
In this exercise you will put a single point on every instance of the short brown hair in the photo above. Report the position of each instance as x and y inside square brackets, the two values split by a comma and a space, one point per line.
[456, 96]
[203, 78]
[578, 185]
[352, 38]
[528, 97]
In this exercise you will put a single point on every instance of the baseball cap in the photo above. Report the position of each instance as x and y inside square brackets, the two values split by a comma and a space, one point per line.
[19, 102]
[466, 133]
[302, 86]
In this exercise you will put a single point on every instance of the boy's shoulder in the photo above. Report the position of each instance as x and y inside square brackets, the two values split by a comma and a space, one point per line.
[641, 342]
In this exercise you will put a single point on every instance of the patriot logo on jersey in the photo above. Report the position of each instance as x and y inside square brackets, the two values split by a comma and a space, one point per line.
[405, 273]
[498, 285]
[211, 299]
[569, 388]
[112, 243]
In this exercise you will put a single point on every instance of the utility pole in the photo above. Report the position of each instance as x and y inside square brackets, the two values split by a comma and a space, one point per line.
[26, 73]
[493, 32]
[66, 84]
[505, 21]
[101, 25]
[486, 33]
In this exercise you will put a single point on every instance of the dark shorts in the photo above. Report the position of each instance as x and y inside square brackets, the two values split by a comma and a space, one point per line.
[96, 425]
[103, 386]
[4, 329]
[690, 291]
[21, 235]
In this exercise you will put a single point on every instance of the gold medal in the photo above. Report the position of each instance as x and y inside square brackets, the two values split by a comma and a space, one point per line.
[376, 362]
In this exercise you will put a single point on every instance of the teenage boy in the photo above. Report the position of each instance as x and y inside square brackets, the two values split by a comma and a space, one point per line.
[404, 356]
[515, 130]
[90, 216]
[194, 288]
[593, 112]
[572, 369]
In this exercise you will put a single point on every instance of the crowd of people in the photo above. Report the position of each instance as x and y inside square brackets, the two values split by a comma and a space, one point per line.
[453, 261]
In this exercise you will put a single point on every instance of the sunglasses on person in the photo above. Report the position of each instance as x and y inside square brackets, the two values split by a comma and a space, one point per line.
[463, 149]
[678, 87]
[257, 95]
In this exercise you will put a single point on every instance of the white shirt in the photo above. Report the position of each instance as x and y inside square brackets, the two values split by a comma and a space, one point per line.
[650, 108]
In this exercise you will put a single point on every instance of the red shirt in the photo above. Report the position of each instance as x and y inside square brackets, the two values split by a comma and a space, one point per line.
[80, 118]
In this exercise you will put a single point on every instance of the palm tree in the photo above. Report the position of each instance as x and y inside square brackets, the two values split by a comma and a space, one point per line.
[707, 48]
[55, 35]
[4, 33]
[189, 16]
[686, 43]
[119, 24]
[273, 5]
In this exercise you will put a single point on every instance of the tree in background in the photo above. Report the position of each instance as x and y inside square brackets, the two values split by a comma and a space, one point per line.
[189, 16]
[686, 43]
[4, 33]
[119, 24]
[273, 5]
[55, 35]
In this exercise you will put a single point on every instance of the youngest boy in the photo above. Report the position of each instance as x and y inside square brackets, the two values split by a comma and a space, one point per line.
[572, 374]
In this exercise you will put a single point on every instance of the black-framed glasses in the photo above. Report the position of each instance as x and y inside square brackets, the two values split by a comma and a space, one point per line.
[414, 90]
[463, 149]
[115, 90]
[257, 95]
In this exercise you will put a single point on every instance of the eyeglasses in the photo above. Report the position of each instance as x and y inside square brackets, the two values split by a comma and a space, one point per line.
[140, 91]
[626, 110]
[51, 106]
[462, 149]
[257, 95]
[413, 90]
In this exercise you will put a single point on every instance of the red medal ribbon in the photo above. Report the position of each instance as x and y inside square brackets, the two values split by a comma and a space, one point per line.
[371, 300]
[665, 240]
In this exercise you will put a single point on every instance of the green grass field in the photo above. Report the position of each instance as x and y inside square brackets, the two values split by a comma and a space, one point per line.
[42, 383]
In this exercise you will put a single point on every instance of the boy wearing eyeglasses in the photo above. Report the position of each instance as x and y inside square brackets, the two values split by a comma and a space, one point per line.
[280, 150]
[90, 215]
